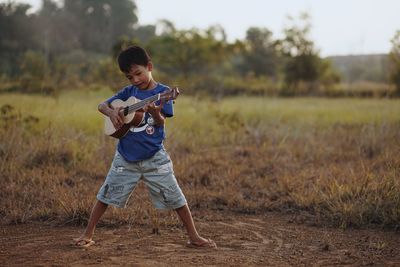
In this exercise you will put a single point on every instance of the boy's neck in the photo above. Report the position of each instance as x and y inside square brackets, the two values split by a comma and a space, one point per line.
[152, 84]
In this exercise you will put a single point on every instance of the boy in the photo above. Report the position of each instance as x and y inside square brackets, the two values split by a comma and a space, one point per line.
[140, 153]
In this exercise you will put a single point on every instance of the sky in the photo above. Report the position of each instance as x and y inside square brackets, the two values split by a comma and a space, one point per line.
[339, 27]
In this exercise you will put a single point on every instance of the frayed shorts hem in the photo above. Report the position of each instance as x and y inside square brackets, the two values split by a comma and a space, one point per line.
[174, 207]
[111, 203]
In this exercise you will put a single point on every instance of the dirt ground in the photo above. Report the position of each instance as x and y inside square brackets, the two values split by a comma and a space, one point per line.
[271, 239]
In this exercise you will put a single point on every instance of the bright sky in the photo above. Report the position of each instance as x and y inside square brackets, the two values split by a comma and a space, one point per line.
[339, 27]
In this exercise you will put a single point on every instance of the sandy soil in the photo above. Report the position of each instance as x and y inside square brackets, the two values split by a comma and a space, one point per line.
[243, 240]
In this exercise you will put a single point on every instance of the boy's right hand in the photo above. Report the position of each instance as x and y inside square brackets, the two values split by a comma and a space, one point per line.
[117, 117]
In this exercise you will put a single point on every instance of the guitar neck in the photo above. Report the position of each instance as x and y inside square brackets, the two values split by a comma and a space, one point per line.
[142, 103]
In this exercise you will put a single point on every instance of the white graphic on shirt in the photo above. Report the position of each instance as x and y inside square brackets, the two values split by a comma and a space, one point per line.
[150, 121]
[146, 125]
[150, 130]
[139, 129]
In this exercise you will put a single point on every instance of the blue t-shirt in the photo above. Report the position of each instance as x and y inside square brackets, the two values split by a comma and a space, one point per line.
[143, 141]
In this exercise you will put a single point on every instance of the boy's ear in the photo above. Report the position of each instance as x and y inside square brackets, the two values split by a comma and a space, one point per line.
[150, 66]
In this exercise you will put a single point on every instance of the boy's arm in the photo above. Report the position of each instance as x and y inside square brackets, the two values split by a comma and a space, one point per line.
[156, 113]
[115, 115]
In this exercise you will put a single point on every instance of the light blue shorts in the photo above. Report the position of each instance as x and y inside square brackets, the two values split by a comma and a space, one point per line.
[157, 173]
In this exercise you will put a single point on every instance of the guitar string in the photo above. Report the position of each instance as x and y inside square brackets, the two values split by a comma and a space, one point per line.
[142, 103]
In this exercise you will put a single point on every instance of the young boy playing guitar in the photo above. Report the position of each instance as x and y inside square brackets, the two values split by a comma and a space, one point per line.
[133, 116]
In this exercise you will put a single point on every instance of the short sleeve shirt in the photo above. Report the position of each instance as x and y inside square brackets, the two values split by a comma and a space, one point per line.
[143, 141]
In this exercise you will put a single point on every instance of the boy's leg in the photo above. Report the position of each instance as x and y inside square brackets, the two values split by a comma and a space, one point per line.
[194, 237]
[166, 193]
[98, 210]
[121, 180]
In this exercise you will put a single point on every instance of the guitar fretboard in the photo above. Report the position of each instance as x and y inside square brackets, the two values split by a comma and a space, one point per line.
[142, 103]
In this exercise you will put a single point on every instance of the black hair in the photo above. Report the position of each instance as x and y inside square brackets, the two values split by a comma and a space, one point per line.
[133, 55]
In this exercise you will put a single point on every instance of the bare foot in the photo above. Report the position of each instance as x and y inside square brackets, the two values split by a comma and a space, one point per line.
[201, 243]
[83, 242]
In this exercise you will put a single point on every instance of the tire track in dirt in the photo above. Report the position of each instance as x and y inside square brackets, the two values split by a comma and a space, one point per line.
[268, 239]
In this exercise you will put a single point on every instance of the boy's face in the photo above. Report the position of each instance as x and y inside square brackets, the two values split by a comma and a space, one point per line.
[140, 76]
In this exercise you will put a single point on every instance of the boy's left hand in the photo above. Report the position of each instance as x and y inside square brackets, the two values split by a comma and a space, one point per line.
[153, 109]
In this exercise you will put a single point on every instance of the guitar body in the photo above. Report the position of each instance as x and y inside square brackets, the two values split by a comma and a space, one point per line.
[133, 111]
[132, 119]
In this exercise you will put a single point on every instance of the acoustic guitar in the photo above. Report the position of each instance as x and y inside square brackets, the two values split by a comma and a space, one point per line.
[133, 112]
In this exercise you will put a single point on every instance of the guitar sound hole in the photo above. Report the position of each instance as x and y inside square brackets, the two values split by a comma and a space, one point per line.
[126, 110]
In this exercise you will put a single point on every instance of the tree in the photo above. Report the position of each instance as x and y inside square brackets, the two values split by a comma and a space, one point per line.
[57, 34]
[165, 27]
[259, 55]
[187, 52]
[17, 35]
[394, 61]
[302, 63]
[33, 70]
[145, 33]
[98, 23]
[122, 43]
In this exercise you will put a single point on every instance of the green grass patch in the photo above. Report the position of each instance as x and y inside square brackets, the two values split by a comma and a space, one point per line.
[78, 109]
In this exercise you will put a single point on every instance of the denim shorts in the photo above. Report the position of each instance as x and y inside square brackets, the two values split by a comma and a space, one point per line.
[158, 176]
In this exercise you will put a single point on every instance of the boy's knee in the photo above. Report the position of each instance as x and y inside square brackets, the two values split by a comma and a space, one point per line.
[181, 207]
[101, 203]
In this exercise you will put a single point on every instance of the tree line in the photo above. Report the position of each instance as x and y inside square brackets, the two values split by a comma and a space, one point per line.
[75, 45]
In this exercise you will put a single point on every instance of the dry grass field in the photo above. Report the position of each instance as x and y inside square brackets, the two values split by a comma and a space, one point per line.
[330, 161]
[274, 181]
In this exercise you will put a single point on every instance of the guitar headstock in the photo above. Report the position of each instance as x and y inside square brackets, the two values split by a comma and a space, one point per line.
[170, 94]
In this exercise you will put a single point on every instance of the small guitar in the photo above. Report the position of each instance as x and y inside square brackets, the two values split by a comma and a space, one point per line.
[133, 111]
